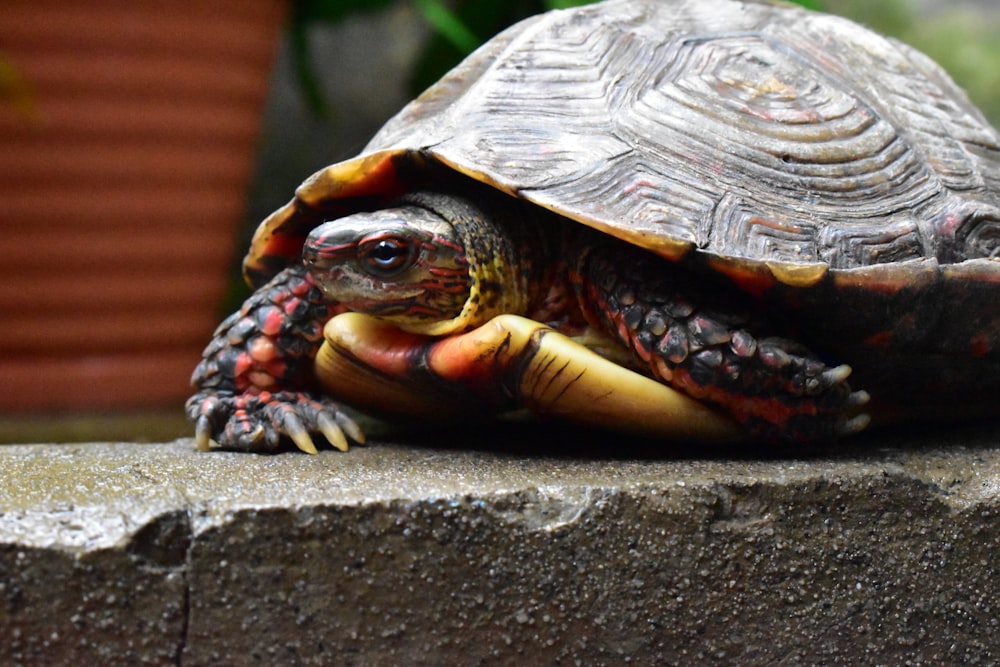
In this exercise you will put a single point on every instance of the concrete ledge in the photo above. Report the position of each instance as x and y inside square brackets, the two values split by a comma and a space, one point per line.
[406, 555]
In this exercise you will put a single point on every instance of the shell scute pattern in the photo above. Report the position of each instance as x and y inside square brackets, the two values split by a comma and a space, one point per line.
[714, 126]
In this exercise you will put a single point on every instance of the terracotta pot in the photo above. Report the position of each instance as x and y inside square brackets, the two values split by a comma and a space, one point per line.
[121, 195]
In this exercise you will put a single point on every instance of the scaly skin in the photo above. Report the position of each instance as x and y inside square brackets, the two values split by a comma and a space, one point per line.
[695, 335]
[255, 378]
[691, 330]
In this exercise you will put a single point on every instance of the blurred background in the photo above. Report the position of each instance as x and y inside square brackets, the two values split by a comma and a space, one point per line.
[141, 141]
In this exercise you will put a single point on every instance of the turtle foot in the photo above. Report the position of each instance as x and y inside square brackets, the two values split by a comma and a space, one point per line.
[262, 422]
[786, 394]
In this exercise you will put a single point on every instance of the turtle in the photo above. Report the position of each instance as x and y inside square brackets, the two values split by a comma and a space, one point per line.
[700, 220]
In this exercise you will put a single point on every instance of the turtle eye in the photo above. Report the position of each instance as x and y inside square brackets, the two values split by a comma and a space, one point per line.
[386, 256]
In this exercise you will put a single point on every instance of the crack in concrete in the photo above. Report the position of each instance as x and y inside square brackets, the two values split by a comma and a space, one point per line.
[186, 603]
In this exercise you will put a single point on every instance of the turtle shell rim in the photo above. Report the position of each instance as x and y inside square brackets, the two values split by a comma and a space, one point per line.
[361, 182]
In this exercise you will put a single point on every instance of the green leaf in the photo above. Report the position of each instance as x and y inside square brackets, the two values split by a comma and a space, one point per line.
[816, 5]
[304, 13]
[309, 82]
[448, 25]
[482, 18]
[566, 4]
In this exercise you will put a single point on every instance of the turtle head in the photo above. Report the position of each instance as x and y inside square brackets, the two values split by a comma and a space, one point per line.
[434, 264]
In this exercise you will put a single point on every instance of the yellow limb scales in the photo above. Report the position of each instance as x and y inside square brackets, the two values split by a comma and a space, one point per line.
[508, 363]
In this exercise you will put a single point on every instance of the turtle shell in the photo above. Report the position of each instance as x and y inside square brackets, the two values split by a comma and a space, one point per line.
[778, 143]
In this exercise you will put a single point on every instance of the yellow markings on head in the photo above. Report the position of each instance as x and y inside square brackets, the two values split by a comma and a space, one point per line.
[491, 293]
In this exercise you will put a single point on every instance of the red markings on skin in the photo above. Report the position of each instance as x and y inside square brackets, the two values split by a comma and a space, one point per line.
[301, 288]
[243, 384]
[243, 364]
[331, 253]
[447, 280]
[642, 353]
[777, 407]
[290, 305]
[260, 366]
[743, 408]
[460, 360]
[441, 242]
[392, 351]
[272, 321]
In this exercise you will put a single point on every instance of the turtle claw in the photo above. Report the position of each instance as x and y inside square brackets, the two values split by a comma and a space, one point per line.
[252, 440]
[203, 433]
[259, 422]
[349, 427]
[334, 434]
[835, 375]
[296, 430]
[859, 422]
[855, 424]
[858, 398]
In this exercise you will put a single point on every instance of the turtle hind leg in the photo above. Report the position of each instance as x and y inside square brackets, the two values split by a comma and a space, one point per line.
[694, 333]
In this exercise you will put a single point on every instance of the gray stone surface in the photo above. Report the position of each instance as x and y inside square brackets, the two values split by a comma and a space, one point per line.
[126, 553]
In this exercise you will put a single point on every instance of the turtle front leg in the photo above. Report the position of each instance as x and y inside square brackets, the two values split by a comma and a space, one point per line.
[255, 380]
[507, 364]
[701, 338]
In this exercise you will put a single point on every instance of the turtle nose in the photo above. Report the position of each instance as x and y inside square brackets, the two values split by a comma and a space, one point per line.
[317, 251]
[310, 254]
[330, 245]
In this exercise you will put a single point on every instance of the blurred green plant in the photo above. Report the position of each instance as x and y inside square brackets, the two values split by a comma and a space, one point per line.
[459, 27]
[964, 44]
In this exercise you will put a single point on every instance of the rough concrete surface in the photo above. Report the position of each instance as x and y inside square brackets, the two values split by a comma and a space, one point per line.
[154, 553]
